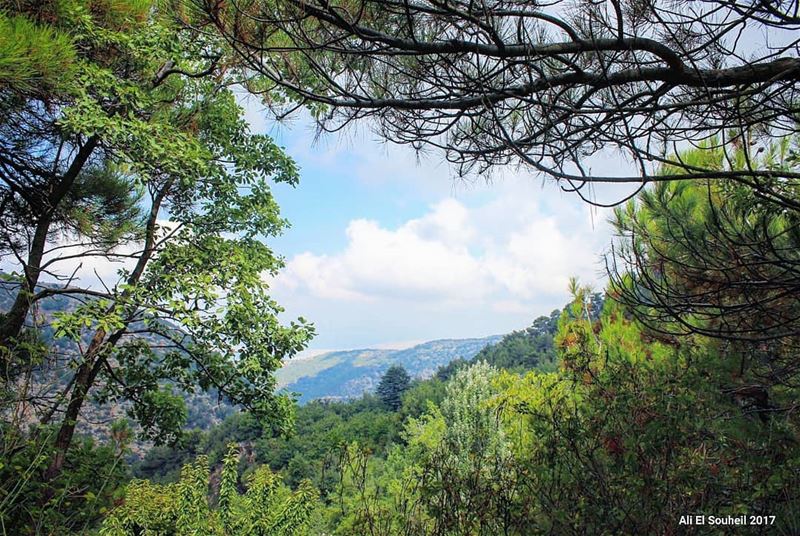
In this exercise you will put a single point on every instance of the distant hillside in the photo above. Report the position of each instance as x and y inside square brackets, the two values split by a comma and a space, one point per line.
[205, 409]
[351, 373]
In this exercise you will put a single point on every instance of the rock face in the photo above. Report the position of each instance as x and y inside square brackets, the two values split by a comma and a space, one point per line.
[350, 373]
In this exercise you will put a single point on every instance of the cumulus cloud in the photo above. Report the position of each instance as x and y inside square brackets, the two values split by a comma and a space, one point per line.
[424, 259]
[502, 256]
[539, 259]
[486, 257]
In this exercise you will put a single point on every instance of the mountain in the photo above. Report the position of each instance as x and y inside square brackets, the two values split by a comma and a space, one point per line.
[350, 373]
[205, 409]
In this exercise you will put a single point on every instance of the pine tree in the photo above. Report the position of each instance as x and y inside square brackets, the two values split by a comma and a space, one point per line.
[394, 383]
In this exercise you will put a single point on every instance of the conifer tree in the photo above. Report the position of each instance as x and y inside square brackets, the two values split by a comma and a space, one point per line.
[394, 383]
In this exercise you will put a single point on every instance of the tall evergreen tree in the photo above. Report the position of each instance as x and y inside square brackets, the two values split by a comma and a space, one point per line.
[718, 259]
[394, 383]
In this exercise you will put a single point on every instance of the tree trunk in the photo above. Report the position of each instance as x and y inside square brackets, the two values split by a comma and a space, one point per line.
[94, 358]
[84, 378]
[15, 319]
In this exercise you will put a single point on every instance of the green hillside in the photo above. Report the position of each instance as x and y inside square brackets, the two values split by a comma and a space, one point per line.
[351, 373]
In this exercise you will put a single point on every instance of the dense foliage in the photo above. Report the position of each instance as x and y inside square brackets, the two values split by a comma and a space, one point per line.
[719, 260]
[122, 140]
[626, 437]
[322, 427]
[637, 419]
[122, 144]
[86, 490]
[266, 509]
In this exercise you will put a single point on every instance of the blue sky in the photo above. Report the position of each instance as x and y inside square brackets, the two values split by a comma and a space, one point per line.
[387, 250]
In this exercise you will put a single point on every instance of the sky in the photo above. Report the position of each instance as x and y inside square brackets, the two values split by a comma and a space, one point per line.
[387, 249]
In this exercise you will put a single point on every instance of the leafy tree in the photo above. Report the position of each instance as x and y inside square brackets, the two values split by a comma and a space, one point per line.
[544, 85]
[372, 496]
[147, 120]
[454, 474]
[267, 507]
[394, 383]
[463, 459]
[421, 395]
[633, 432]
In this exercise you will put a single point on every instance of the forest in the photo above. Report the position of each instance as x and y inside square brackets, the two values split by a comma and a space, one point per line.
[145, 402]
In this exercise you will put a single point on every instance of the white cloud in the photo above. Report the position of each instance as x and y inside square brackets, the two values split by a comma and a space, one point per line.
[539, 259]
[424, 259]
[67, 259]
[486, 257]
[504, 256]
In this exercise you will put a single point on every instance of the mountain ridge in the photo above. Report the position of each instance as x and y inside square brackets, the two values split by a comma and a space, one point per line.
[344, 374]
